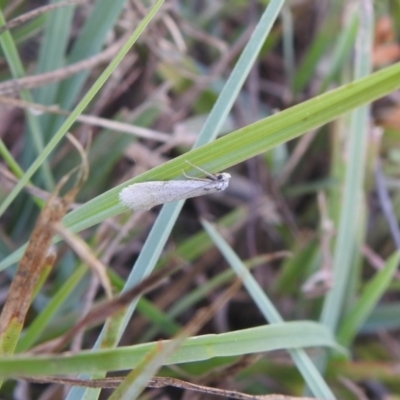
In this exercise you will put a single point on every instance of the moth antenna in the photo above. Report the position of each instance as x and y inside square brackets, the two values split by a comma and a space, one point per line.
[211, 176]
[193, 178]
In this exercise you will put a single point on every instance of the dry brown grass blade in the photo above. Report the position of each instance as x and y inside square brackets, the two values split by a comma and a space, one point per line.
[34, 262]
[108, 308]
[8, 181]
[118, 126]
[159, 382]
[38, 11]
[86, 255]
[233, 394]
[13, 86]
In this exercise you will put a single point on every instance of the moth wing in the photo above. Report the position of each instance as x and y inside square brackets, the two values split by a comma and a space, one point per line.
[143, 196]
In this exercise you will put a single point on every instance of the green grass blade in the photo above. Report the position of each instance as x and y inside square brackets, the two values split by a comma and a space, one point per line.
[89, 42]
[249, 141]
[137, 380]
[319, 46]
[238, 75]
[289, 335]
[52, 55]
[342, 50]
[347, 240]
[37, 327]
[244, 143]
[17, 70]
[370, 296]
[384, 317]
[308, 370]
[9, 160]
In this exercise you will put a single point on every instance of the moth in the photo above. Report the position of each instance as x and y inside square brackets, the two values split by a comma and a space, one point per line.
[146, 195]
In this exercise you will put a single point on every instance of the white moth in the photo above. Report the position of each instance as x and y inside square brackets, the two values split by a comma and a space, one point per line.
[143, 196]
